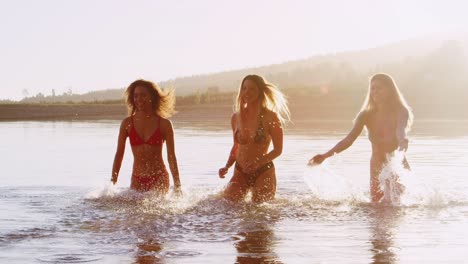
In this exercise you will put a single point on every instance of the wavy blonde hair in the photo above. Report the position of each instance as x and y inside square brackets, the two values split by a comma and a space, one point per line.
[270, 97]
[162, 102]
[397, 101]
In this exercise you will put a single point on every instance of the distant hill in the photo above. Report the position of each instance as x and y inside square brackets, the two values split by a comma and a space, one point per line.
[431, 72]
[317, 70]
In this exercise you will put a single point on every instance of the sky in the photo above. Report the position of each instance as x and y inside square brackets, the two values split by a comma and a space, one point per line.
[88, 45]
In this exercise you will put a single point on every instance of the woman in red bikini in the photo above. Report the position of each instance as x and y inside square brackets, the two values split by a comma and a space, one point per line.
[387, 118]
[147, 128]
[261, 110]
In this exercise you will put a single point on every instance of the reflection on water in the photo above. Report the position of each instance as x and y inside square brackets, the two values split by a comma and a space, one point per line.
[56, 207]
[255, 240]
[148, 251]
[383, 224]
[155, 226]
[256, 246]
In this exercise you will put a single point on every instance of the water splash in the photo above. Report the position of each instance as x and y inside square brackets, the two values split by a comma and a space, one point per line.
[331, 182]
[326, 182]
[106, 191]
[150, 203]
[403, 187]
[391, 177]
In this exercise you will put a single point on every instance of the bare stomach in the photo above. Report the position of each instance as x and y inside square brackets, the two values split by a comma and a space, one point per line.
[250, 153]
[383, 148]
[148, 167]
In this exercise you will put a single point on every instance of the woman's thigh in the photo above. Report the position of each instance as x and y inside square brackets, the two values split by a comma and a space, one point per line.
[376, 166]
[237, 187]
[265, 186]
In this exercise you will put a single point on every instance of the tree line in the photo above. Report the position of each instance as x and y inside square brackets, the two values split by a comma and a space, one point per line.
[433, 83]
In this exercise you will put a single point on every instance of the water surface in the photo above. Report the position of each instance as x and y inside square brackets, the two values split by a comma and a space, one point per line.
[56, 205]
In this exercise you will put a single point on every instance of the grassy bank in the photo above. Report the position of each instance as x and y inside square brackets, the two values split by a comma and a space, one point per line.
[43, 112]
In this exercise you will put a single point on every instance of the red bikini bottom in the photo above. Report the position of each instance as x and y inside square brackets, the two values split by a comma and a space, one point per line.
[147, 183]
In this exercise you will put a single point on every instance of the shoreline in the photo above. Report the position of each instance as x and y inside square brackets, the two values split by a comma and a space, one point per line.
[305, 118]
[45, 112]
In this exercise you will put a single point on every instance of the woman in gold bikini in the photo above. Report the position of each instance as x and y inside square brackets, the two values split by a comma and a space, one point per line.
[261, 110]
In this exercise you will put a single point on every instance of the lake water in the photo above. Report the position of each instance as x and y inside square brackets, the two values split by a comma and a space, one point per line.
[56, 205]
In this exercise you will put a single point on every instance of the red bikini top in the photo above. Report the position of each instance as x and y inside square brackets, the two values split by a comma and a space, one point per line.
[155, 139]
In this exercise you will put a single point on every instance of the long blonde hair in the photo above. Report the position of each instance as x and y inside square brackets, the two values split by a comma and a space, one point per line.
[162, 103]
[270, 97]
[397, 101]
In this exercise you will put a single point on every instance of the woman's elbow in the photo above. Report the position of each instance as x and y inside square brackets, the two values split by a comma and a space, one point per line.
[171, 157]
[278, 152]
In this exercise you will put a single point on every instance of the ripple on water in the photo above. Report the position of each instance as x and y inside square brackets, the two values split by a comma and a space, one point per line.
[182, 253]
[31, 233]
[69, 258]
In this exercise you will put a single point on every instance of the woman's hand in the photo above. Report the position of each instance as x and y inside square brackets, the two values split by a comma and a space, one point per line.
[317, 159]
[114, 179]
[222, 172]
[178, 191]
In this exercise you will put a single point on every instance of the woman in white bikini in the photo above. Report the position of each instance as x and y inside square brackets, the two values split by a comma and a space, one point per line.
[387, 118]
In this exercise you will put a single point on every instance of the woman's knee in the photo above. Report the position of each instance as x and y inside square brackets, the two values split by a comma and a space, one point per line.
[235, 191]
[259, 196]
[265, 188]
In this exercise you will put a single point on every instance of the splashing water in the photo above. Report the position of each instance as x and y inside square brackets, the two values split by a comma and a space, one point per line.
[106, 191]
[403, 187]
[336, 181]
[150, 202]
[391, 177]
[327, 183]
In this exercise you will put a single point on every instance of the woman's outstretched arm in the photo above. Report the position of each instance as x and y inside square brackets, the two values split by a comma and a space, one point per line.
[344, 143]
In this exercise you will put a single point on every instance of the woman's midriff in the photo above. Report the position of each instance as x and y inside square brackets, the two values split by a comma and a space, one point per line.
[381, 149]
[149, 172]
[250, 153]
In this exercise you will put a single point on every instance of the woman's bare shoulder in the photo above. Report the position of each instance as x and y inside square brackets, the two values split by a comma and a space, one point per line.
[269, 115]
[165, 126]
[126, 122]
[165, 123]
[362, 117]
